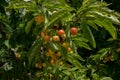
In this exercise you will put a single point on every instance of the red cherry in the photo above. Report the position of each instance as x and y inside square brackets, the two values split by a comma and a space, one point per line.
[61, 32]
[73, 30]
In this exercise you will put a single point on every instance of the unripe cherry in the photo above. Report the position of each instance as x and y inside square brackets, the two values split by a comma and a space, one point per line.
[47, 38]
[56, 38]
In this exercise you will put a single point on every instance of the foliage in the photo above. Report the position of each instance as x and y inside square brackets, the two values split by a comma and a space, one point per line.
[31, 47]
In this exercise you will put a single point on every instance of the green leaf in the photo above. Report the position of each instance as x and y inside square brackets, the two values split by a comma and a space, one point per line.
[106, 78]
[7, 43]
[29, 25]
[74, 60]
[95, 76]
[54, 46]
[111, 29]
[98, 22]
[34, 50]
[104, 15]
[83, 44]
[103, 52]
[55, 19]
[73, 69]
[8, 28]
[88, 34]
[76, 56]
[92, 24]
[66, 72]
[65, 78]
[108, 26]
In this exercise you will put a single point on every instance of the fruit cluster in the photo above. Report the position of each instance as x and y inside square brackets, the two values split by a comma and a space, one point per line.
[40, 66]
[59, 37]
[54, 56]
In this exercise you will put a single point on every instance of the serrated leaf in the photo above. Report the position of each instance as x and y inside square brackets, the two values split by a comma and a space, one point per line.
[98, 22]
[73, 69]
[103, 52]
[54, 46]
[88, 34]
[8, 29]
[34, 50]
[76, 56]
[65, 78]
[83, 44]
[66, 72]
[95, 76]
[106, 16]
[55, 19]
[110, 28]
[7, 43]
[74, 60]
[92, 24]
[29, 25]
[80, 39]
[106, 78]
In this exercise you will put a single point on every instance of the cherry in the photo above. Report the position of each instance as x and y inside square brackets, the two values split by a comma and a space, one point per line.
[73, 30]
[61, 32]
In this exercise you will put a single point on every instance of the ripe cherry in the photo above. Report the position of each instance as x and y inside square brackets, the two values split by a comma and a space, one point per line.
[61, 32]
[73, 30]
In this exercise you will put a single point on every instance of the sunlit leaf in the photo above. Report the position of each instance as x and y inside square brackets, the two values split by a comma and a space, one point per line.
[88, 34]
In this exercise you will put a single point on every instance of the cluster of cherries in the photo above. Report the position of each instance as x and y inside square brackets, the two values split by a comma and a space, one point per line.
[61, 33]
[54, 56]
